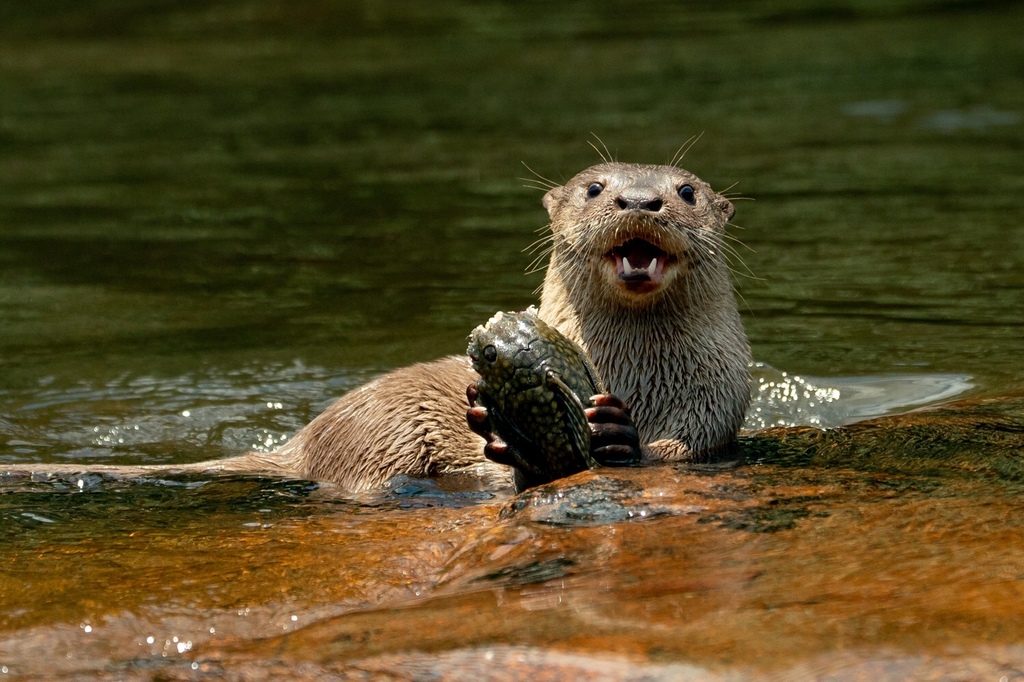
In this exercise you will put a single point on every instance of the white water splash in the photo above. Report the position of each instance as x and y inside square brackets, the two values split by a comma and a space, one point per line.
[783, 399]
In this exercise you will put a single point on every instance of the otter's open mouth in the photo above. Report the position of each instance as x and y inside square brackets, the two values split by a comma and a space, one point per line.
[639, 262]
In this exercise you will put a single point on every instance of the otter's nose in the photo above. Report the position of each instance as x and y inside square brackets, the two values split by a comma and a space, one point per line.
[639, 203]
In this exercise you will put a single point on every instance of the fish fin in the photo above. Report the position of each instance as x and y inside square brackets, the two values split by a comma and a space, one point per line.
[595, 378]
[578, 427]
[517, 444]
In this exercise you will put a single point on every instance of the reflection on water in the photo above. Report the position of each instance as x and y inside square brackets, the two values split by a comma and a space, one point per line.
[977, 118]
[147, 420]
[782, 399]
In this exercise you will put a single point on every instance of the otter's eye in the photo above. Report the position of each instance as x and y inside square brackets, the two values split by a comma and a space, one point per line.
[490, 354]
[594, 189]
[687, 195]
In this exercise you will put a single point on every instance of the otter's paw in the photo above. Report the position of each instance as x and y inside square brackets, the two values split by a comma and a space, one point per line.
[479, 421]
[614, 440]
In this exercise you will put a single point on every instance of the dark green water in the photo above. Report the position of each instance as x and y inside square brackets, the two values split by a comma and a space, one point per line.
[208, 196]
[215, 217]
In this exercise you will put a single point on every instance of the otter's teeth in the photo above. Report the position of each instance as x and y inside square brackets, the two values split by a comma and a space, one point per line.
[652, 267]
[627, 269]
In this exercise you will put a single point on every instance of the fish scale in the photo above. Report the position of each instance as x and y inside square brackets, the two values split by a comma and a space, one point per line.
[535, 384]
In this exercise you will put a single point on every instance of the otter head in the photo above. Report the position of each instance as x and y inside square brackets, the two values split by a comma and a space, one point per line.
[635, 233]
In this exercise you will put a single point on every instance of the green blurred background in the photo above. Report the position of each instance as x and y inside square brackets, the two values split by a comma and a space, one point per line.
[230, 203]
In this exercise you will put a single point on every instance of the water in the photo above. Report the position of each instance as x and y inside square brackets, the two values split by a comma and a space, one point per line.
[216, 217]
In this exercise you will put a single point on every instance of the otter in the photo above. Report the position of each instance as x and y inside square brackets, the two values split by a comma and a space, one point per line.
[637, 277]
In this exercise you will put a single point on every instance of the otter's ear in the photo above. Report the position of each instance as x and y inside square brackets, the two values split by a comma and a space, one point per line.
[552, 199]
[725, 206]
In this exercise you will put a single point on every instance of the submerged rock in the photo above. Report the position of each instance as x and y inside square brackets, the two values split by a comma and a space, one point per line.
[876, 550]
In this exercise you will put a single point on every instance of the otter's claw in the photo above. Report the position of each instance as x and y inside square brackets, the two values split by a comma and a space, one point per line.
[479, 422]
[614, 440]
[476, 416]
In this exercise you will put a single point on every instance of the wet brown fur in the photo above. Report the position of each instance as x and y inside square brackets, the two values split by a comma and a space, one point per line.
[411, 420]
[677, 356]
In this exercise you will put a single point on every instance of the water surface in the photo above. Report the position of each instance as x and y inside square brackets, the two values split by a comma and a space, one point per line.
[217, 217]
